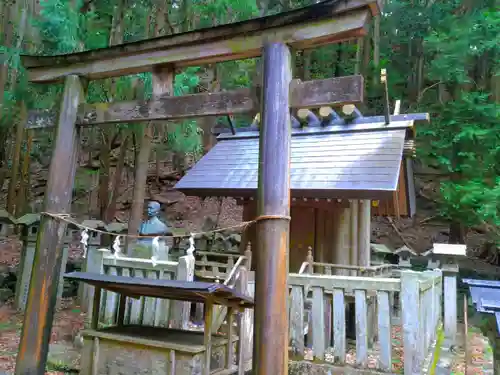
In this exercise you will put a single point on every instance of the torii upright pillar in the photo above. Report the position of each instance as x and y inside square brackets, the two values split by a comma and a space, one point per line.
[273, 210]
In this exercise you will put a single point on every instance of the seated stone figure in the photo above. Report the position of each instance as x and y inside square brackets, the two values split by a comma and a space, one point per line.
[153, 226]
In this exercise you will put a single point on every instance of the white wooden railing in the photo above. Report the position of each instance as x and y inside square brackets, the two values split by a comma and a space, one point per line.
[420, 302]
[146, 310]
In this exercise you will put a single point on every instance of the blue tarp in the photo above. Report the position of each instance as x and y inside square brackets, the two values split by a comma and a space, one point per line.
[485, 296]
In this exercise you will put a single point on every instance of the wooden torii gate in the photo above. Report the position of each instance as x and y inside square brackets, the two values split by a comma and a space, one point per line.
[272, 38]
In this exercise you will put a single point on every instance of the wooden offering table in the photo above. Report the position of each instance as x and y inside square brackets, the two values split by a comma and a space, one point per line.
[137, 349]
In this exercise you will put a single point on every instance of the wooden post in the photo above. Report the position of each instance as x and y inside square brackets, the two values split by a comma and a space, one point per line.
[94, 264]
[410, 301]
[24, 270]
[450, 301]
[354, 235]
[209, 309]
[364, 234]
[230, 334]
[39, 315]
[271, 318]
[245, 323]
[185, 272]
[342, 239]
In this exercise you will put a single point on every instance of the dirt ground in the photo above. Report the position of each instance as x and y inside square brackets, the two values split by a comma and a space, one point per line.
[68, 321]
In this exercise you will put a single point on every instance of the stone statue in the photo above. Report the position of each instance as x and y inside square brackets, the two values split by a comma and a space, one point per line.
[153, 226]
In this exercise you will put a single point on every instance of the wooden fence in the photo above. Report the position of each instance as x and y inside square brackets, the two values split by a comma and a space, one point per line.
[146, 310]
[327, 296]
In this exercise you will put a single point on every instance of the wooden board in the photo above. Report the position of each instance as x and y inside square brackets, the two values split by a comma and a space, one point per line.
[309, 27]
[302, 234]
[397, 205]
[333, 91]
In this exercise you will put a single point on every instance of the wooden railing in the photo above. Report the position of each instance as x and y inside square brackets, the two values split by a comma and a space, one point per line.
[146, 311]
[420, 301]
[383, 270]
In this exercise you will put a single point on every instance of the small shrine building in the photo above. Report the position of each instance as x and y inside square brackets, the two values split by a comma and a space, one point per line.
[341, 175]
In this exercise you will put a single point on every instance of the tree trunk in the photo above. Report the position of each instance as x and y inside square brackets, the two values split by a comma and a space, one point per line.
[10, 9]
[23, 196]
[376, 48]
[207, 123]
[141, 174]
[115, 191]
[104, 171]
[11, 195]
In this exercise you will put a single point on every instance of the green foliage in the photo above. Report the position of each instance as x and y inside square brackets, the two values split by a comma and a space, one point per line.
[441, 57]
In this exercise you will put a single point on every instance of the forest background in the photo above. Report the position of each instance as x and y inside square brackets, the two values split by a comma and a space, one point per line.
[442, 57]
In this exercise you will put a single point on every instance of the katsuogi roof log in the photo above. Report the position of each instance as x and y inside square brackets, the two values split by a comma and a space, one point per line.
[320, 24]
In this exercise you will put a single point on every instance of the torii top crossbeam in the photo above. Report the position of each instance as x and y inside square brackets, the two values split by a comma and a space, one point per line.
[327, 22]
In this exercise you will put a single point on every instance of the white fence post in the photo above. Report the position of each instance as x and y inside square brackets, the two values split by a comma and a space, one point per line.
[185, 272]
[93, 263]
[450, 272]
[410, 301]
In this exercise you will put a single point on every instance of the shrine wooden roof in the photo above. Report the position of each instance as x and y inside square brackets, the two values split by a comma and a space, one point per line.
[485, 296]
[193, 291]
[353, 162]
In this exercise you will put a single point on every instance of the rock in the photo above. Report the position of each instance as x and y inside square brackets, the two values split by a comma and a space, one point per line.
[5, 294]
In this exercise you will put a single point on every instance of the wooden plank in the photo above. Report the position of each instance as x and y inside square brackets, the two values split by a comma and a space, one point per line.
[327, 318]
[181, 311]
[310, 94]
[143, 264]
[128, 301]
[24, 275]
[297, 320]
[364, 233]
[339, 331]
[136, 304]
[361, 328]
[162, 314]
[334, 91]
[345, 282]
[93, 263]
[384, 331]
[245, 342]
[309, 27]
[111, 301]
[96, 303]
[317, 321]
[150, 303]
[120, 320]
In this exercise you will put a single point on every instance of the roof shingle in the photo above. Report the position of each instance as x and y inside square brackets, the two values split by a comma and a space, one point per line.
[324, 164]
